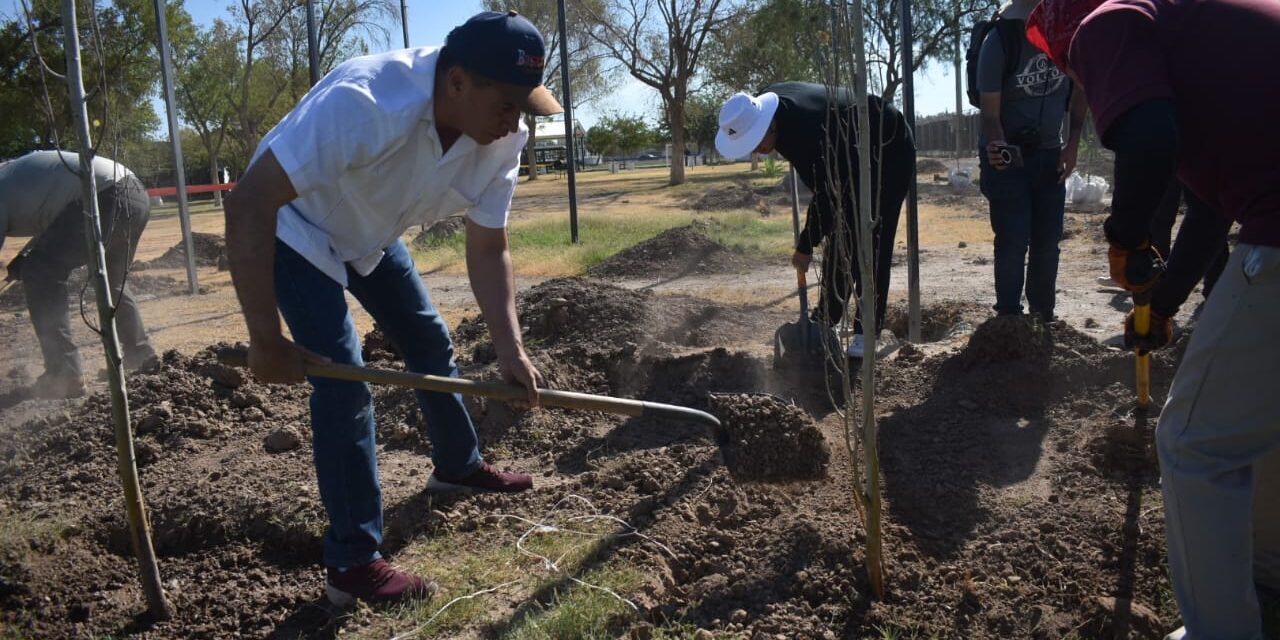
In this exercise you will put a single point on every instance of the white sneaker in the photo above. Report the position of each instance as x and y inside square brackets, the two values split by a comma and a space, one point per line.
[1107, 283]
[856, 347]
[1177, 635]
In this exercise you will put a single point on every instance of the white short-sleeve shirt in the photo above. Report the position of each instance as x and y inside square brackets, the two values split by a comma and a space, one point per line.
[362, 152]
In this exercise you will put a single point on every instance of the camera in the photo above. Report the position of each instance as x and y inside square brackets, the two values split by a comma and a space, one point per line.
[1010, 155]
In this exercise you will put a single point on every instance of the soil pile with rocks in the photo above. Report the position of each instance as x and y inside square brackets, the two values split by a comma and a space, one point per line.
[210, 250]
[1009, 339]
[765, 438]
[674, 253]
[440, 232]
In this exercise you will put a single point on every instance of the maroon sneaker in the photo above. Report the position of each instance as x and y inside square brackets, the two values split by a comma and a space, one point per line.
[485, 478]
[376, 583]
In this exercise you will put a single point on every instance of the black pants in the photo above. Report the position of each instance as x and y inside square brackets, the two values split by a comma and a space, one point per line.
[837, 282]
[60, 249]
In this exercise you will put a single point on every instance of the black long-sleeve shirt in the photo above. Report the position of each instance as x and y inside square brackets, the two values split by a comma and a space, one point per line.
[817, 133]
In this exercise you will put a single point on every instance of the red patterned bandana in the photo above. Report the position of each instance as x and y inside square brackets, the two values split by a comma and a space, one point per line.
[1053, 24]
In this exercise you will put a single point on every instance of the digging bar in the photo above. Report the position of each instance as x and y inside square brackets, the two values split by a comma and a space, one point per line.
[5, 287]
[1142, 360]
[495, 390]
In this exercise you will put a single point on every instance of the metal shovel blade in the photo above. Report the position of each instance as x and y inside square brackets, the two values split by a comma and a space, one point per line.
[798, 343]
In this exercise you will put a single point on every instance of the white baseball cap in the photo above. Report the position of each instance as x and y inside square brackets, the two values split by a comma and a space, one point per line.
[743, 122]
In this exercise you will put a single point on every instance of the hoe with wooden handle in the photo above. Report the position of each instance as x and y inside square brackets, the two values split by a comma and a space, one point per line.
[495, 390]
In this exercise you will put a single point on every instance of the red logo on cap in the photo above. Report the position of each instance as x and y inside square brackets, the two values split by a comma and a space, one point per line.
[532, 63]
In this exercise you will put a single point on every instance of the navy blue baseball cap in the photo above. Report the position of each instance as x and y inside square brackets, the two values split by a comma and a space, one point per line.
[506, 48]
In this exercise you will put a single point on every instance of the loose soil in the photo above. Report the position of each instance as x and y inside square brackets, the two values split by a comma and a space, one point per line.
[1021, 493]
[1014, 484]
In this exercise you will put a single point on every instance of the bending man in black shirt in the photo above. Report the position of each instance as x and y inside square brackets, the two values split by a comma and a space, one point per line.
[814, 128]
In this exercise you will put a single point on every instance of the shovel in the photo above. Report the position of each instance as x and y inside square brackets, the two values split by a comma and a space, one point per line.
[803, 341]
[495, 390]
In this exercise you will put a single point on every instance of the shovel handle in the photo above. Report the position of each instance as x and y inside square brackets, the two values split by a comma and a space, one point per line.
[1142, 361]
[564, 399]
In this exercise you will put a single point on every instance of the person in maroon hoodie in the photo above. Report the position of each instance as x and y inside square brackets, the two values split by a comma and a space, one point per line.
[1189, 88]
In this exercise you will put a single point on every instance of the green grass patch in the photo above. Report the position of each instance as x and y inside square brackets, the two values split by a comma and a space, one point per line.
[22, 531]
[461, 570]
[541, 247]
[577, 612]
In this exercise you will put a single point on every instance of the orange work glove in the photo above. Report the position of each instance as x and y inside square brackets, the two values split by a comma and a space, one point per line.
[1137, 269]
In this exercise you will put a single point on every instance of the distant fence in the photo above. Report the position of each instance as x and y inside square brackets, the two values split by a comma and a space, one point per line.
[938, 133]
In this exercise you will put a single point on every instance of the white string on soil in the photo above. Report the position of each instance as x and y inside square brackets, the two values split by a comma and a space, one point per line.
[543, 526]
[418, 629]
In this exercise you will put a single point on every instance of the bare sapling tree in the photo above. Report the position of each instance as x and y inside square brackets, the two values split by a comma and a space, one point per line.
[854, 197]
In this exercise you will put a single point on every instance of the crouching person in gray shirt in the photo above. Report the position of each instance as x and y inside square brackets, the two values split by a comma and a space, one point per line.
[40, 198]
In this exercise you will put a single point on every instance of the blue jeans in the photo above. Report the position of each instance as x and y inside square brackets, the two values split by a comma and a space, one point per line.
[342, 421]
[1027, 206]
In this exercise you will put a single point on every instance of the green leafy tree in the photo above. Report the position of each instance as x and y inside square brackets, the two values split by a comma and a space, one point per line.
[661, 43]
[207, 77]
[702, 119]
[619, 134]
[120, 66]
[772, 42]
[589, 78]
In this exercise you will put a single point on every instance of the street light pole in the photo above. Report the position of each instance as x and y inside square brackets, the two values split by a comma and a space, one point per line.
[913, 209]
[570, 158]
[175, 144]
[404, 21]
[313, 61]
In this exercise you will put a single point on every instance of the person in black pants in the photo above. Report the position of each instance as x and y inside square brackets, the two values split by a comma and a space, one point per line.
[814, 127]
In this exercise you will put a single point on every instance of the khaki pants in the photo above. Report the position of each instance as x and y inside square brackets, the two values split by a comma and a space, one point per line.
[1221, 421]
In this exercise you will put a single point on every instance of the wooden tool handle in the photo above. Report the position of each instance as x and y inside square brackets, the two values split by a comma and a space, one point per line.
[497, 390]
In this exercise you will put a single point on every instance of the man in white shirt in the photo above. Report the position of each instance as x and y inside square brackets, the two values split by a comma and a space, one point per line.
[383, 143]
[40, 198]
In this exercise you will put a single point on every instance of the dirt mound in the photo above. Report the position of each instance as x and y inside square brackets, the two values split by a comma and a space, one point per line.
[676, 252]
[1021, 497]
[440, 232]
[765, 438]
[930, 165]
[571, 311]
[740, 196]
[1008, 338]
[210, 250]
[938, 321]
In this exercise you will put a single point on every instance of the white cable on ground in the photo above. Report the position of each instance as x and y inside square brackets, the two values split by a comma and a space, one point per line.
[416, 630]
[541, 526]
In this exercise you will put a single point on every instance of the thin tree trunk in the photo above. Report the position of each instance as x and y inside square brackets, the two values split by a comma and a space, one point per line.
[675, 114]
[531, 146]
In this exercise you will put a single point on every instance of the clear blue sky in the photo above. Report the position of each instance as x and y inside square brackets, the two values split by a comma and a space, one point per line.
[431, 20]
